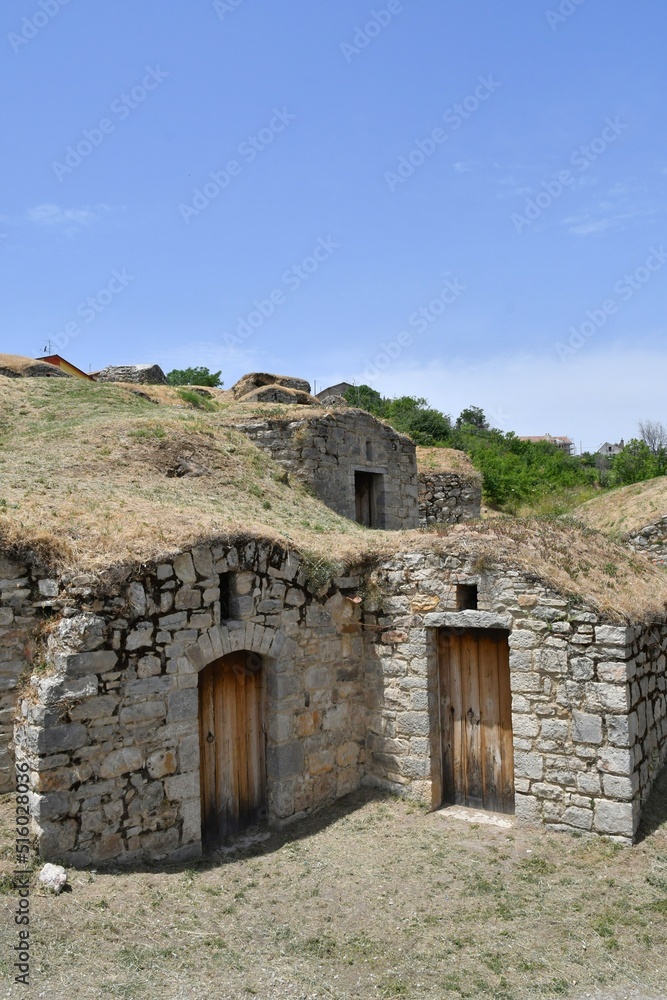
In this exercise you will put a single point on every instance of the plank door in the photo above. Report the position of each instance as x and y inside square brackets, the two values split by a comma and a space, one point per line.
[476, 719]
[231, 740]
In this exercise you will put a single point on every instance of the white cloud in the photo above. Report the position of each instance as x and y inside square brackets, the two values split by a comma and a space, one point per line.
[69, 219]
[591, 398]
[616, 211]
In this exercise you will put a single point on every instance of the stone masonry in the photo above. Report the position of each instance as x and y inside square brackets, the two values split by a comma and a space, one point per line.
[109, 724]
[588, 698]
[651, 540]
[324, 451]
[108, 721]
[138, 374]
[448, 498]
[24, 603]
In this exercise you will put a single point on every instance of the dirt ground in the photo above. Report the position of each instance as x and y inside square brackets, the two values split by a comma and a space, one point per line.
[372, 899]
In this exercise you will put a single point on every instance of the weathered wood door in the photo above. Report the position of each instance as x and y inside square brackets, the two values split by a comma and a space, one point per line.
[232, 741]
[476, 719]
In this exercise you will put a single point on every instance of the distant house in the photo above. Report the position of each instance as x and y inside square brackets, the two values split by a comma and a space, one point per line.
[65, 366]
[335, 390]
[611, 449]
[564, 443]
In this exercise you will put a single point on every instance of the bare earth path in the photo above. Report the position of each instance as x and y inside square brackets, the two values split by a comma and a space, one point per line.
[372, 899]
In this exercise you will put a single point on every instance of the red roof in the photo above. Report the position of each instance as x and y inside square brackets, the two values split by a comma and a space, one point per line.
[58, 362]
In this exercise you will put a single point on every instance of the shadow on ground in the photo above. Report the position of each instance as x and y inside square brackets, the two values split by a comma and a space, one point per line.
[300, 830]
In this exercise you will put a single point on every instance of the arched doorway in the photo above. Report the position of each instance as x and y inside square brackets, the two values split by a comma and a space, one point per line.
[232, 745]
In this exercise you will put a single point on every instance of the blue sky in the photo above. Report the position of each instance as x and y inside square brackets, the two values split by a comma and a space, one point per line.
[461, 200]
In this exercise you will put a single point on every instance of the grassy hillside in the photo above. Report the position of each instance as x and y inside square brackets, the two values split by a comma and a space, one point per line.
[628, 508]
[98, 478]
[94, 474]
[445, 460]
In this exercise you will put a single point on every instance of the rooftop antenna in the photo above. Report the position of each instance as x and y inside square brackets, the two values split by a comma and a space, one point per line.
[48, 350]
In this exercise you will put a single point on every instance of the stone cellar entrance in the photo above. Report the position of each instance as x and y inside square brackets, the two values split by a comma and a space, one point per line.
[232, 745]
[476, 718]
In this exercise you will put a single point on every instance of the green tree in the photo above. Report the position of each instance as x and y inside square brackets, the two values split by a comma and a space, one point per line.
[194, 376]
[516, 474]
[366, 399]
[636, 463]
[412, 415]
[472, 416]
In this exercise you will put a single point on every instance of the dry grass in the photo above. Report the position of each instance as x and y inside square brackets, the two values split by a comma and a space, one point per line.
[90, 480]
[25, 367]
[90, 476]
[446, 460]
[371, 899]
[573, 559]
[16, 363]
[627, 509]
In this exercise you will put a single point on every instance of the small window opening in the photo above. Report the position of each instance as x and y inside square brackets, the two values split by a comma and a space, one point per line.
[225, 595]
[466, 597]
[369, 450]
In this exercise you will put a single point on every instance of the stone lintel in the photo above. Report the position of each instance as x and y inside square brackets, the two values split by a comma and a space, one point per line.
[467, 619]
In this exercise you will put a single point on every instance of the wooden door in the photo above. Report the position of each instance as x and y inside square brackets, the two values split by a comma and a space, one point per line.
[231, 739]
[476, 719]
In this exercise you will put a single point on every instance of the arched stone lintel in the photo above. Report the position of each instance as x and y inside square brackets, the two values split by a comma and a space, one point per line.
[221, 640]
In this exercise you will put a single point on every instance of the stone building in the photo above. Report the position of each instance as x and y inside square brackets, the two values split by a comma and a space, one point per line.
[187, 669]
[432, 673]
[357, 465]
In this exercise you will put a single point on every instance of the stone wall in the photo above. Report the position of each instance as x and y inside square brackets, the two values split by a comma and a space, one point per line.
[574, 679]
[25, 600]
[448, 498]
[110, 726]
[651, 540]
[325, 452]
[137, 374]
[645, 730]
[109, 719]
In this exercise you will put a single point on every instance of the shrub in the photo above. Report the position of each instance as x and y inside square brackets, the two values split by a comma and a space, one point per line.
[194, 376]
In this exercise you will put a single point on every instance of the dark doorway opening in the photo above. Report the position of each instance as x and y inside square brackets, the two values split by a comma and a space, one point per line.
[366, 493]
